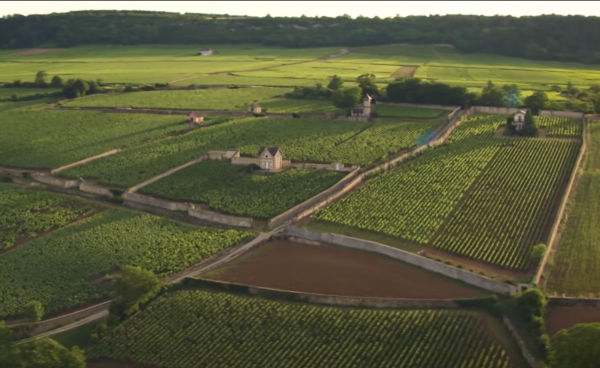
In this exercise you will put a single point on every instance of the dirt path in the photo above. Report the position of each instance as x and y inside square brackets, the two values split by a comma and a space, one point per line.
[342, 52]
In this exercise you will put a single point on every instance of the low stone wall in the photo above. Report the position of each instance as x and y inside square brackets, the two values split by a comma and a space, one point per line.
[454, 113]
[574, 302]
[522, 346]
[307, 165]
[57, 182]
[563, 114]
[165, 174]
[245, 160]
[413, 259]
[88, 188]
[495, 110]
[315, 200]
[85, 160]
[219, 155]
[156, 202]
[321, 299]
[220, 218]
[428, 106]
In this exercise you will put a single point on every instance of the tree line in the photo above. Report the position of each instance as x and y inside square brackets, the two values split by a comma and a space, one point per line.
[546, 37]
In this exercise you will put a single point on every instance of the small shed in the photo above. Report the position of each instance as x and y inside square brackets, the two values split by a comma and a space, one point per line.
[519, 120]
[205, 52]
[255, 108]
[270, 158]
[363, 110]
[194, 117]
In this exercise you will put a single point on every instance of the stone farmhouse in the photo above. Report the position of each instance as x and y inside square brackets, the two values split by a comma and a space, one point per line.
[270, 158]
[255, 108]
[519, 120]
[205, 52]
[362, 112]
[194, 117]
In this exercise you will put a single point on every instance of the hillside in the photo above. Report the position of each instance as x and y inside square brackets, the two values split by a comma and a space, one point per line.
[547, 37]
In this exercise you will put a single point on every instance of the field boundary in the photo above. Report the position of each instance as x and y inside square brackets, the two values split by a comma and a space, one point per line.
[85, 160]
[320, 299]
[574, 302]
[554, 235]
[135, 188]
[520, 342]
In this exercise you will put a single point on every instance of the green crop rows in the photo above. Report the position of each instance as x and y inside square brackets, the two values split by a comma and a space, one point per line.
[25, 213]
[505, 213]
[48, 139]
[223, 188]
[200, 329]
[58, 269]
[391, 111]
[413, 201]
[560, 126]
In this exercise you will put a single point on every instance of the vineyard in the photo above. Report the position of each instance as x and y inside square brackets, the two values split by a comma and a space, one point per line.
[560, 126]
[413, 202]
[58, 269]
[29, 140]
[222, 186]
[507, 210]
[201, 329]
[311, 140]
[24, 214]
[405, 112]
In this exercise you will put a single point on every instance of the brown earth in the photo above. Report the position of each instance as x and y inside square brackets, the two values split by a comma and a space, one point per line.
[35, 51]
[324, 269]
[405, 71]
[559, 318]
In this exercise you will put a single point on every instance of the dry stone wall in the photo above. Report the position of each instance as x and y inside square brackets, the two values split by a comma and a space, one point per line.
[84, 161]
[574, 302]
[156, 202]
[94, 189]
[57, 182]
[220, 218]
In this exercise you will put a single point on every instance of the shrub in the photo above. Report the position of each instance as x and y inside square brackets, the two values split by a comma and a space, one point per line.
[34, 311]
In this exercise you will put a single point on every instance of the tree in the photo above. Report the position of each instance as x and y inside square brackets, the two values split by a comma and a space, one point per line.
[532, 303]
[491, 95]
[34, 310]
[366, 82]
[56, 82]
[577, 347]
[529, 128]
[538, 252]
[538, 100]
[512, 95]
[335, 83]
[345, 98]
[40, 78]
[48, 353]
[133, 287]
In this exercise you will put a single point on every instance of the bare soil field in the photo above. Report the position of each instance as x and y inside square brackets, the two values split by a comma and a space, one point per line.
[405, 71]
[559, 318]
[334, 270]
[35, 51]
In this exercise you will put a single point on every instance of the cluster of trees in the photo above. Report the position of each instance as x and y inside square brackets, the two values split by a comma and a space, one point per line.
[546, 37]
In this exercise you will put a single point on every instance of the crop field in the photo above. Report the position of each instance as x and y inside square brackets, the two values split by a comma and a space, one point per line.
[404, 112]
[222, 186]
[412, 202]
[506, 212]
[240, 79]
[6, 93]
[149, 64]
[576, 270]
[311, 140]
[560, 126]
[48, 138]
[24, 214]
[59, 269]
[200, 329]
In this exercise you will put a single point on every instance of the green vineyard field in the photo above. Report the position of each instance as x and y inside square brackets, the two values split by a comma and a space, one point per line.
[560, 126]
[189, 329]
[58, 270]
[404, 112]
[224, 188]
[24, 214]
[507, 210]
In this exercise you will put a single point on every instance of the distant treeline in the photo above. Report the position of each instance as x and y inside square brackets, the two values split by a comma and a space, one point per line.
[547, 37]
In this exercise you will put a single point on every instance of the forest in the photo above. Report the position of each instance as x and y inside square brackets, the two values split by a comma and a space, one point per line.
[546, 37]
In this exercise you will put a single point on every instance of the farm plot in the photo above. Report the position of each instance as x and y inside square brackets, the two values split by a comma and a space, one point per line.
[405, 112]
[412, 202]
[25, 214]
[190, 328]
[560, 126]
[59, 270]
[224, 187]
[48, 139]
[506, 211]
[337, 271]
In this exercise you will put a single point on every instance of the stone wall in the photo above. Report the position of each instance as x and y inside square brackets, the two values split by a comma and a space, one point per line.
[321, 299]
[307, 165]
[220, 218]
[94, 189]
[137, 187]
[522, 346]
[220, 155]
[563, 114]
[85, 160]
[156, 202]
[311, 202]
[57, 182]
[443, 107]
[413, 259]
[574, 302]
[495, 110]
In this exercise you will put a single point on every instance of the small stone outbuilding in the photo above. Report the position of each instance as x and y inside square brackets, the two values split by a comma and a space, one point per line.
[205, 52]
[270, 158]
[362, 112]
[194, 117]
[519, 120]
[255, 108]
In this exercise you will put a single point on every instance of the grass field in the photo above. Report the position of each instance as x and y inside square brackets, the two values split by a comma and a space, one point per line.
[403, 112]
[6, 93]
[312, 140]
[59, 269]
[576, 270]
[49, 138]
[224, 188]
[195, 328]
